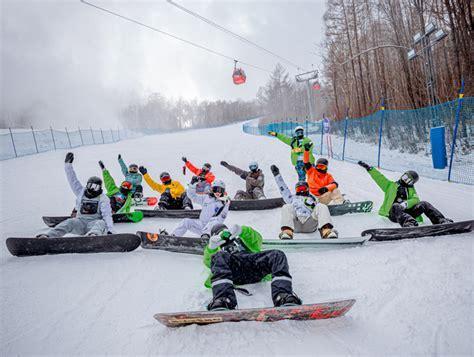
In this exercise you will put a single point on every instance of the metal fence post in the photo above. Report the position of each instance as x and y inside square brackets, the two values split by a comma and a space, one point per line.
[92, 133]
[34, 139]
[112, 134]
[13, 142]
[102, 134]
[306, 125]
[52, 137]
[456, 125]
[68, 138]
[80, 134]
[345, 134]
[322, 134]
[118, 133]
[382, 111]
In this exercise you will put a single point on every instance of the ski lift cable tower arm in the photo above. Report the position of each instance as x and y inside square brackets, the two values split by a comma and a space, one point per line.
[307, 77]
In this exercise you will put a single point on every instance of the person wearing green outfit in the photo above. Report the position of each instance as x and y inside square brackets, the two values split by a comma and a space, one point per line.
[401, 203]
[234, 256]
[120, 197]
[298, 143]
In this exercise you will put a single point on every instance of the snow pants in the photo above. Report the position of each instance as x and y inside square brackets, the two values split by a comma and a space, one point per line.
[256, 194]
[332, 198]
[248, 268]
[318, 219]
[398, 215]
[79, 226]
[299, 167]
[194, 225]
[168, 202]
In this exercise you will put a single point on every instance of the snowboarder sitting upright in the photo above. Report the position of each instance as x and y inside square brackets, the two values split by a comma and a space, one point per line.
[297, 143]
[401, 203]
[321, 183]
[302, 213]
[94, 215]
[173, 194]
[254, 181]
[120, 197]
[203, 177]
[133, 176]
[234, 256]
[215, 206]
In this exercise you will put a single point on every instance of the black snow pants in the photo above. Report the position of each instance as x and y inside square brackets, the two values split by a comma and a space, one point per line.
[248, 268]
[399, 215]
[168, 202]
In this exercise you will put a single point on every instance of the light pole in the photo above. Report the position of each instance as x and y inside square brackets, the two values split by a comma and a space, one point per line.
[307, 77]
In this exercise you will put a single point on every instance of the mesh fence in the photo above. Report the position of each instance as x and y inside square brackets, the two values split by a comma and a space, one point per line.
[395, 139]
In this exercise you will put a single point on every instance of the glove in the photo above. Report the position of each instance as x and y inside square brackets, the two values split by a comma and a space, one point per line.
[142, 170]
[403, 205]
[194, 180]
[364, 165]
[119, 157]
[69, 158]
[184, 159]
[224, 163]
[102, 166]
[201, 178]
[323, 190]
[109, 232]
[308, 146]
[272, 133]
[243, 176]
[275, 170]
[215, 242]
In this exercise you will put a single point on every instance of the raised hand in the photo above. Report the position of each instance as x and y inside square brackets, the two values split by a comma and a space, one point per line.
[275, 170]
[69, 158]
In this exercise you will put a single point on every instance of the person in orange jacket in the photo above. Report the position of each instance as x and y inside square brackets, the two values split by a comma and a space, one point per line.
[203, 177]
[321, 183]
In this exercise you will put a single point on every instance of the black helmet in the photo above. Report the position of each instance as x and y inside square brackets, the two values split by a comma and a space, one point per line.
[165, 177]
[216, 229]
[409, 178]
[94, 186]
[207, 166]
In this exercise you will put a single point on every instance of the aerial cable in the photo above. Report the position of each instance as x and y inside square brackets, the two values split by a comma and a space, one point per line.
[173, 36]
[229, 32]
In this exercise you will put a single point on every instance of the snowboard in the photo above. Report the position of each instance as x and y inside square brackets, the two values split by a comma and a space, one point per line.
[327, 310]
[171, 213]
[132, 217]
[112, 243]
[145, 201]
[384, 234]
[255, 205]
[353, 207]
[313, 243]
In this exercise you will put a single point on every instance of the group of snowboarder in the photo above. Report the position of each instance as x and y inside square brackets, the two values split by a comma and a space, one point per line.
[234, 254]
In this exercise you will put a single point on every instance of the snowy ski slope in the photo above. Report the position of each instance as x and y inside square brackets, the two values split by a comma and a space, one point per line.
[413, 297]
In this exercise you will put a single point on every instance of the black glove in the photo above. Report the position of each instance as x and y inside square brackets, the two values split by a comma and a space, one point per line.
[275, 170]
[194, 180]
[142, 170]
[109, 232]
[69, 158]
[323, 190]
[119, 156]
[308, 146]
[364, 165]
[224, 163]
[184, 159]
[102, 166]
[201, 178]
[243, 176]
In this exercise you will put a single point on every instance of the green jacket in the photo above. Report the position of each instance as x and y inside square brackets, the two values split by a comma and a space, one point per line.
[297, 147]
[113, 189]
[252, 241]
[390, 189]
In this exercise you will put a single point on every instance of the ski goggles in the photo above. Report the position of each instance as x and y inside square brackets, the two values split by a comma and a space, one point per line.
[93, 187]
[165, 179]
[217, 189]
[408, 180]
[253, 167]
[322, 167]
[300, 189]
[133, 169]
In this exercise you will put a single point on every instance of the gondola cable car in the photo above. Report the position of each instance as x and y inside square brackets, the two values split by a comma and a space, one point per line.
[238, 76]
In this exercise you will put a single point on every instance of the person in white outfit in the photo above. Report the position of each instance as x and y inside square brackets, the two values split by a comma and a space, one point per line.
[215, 206]
[302, 213]
[94, 214]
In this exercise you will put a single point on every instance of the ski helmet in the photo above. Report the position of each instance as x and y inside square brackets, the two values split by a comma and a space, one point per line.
[299, 132]
[133, 168]
[302, 188]
[216, 229]
[206, 167]
[218, 186]
[126, 187]
[253, 166]
[165, 177]
[322, 165]
[409, 178]
[93, 187]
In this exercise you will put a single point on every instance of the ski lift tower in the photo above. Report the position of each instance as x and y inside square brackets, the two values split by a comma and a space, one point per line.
[307, 77]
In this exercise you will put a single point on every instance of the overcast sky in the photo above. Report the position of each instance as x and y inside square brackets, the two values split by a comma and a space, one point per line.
[66, 63]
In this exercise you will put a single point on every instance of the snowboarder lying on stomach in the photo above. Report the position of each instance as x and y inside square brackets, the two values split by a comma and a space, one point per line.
[401, 203]
[120, 197]
[234, 256]
[94, 215]
[173, 194]
[302, 212]
[254, 181]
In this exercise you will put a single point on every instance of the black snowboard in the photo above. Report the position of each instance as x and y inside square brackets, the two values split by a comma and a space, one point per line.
[354, 207]
[112, 243]
[172, 243]
[256, 205]
[383, 234]
[53, 221]
[172, 213]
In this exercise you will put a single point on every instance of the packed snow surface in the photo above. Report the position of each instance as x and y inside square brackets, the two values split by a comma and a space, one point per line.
[413, 296]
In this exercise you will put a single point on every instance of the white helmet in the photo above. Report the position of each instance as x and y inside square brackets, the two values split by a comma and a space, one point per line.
[299, 127]
[253, 165]
[218, 183]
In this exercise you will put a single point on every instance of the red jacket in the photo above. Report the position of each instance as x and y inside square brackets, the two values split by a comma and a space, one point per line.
[209, 175]
[316, 179]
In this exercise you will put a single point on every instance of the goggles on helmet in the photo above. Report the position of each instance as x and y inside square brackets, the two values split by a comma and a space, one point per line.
[93, 187]
[408, 180]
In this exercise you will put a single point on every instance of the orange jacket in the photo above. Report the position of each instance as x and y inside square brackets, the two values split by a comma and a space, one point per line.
[209, 176]
[316, 179]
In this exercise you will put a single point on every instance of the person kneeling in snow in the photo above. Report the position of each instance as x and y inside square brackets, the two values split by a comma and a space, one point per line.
[302, 213]
[234, 257]
[215, 206]
[173, 194]
[401, 203]
[254, 181]
[120, 197]
[203, 177]
[320, 181]
[94, 215]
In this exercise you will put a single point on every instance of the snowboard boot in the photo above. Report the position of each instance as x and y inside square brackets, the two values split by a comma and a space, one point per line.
[285, 299]
[410, 223]
[445, 221]
[42, 236]
[328, 232]
[220, 304]
[286, 234]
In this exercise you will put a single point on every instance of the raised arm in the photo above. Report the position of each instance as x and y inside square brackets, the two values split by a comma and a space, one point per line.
[284, 138]
[191, 167]
[76, 186]
[284, 190]
[243, 174]
[109, 182]
[123, 167]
